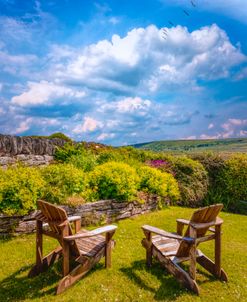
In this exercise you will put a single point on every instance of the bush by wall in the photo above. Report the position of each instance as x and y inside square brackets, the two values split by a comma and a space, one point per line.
[190, 174]
[160, 183]
[20, 187]
[113, 180]
[213, 163]
[192, 179]
[128, 155]
[62, 181]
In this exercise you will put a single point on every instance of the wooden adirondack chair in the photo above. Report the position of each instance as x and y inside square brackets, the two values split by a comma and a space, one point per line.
[173, 248]
[85, 247]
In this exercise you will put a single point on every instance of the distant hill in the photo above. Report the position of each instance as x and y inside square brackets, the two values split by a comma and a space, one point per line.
[219, 145]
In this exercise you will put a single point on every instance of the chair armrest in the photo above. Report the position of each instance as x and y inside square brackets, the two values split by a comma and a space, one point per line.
[70, 219]
[74, 218]
[105, 229]
[183, 221]
[160, 232]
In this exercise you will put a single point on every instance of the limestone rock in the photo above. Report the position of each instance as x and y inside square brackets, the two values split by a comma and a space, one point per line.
[15, 145]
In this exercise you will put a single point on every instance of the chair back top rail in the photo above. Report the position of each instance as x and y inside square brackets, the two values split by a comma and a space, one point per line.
[202, 215]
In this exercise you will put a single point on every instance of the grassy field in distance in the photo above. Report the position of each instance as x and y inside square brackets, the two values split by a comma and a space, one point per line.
[230, 145]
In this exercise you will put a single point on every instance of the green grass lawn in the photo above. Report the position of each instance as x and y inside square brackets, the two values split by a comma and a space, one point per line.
[128, 279]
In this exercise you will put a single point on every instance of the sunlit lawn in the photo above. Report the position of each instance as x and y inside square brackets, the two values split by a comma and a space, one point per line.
[129, 279]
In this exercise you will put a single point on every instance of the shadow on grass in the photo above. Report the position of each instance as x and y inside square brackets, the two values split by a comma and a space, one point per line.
[169, 288]
[18, 286]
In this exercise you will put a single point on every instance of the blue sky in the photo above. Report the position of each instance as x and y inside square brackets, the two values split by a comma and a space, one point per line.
[123, 72]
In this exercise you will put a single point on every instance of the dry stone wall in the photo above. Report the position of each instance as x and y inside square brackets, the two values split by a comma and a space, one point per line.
[100, 212]
[32, 151]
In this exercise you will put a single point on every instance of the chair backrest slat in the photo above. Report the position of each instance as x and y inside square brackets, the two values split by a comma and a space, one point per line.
[205, 215]
[56, 215]
[202, 215]
[53, 214]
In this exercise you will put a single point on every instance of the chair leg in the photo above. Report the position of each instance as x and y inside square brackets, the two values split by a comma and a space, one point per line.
[65, 260]
[147, 243]
[192, 254]
[42, 263]
[192, 267]
[77, 225]
[217, 250]
[39, 243]
[37, 268]
[65, 253]
[79, 271]
[108, 249]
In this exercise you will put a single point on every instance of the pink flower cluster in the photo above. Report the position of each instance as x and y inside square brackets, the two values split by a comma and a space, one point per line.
[157, 163]
[161, 164]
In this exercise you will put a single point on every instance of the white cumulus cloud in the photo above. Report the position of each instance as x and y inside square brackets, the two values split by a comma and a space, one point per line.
[132, 104]
[44, 92]
[144, 60]
[24, 126]
[234, 127]
[231, 128]
[104, 136]
[89, 125]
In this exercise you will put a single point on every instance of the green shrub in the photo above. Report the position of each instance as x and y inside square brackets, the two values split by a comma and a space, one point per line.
[138, 155]
[20, 187]
[232, 182]
[77, 155]
[160, 183]
[192, 180]
[213, 163]
[62, 181]
[107, 156]
[227, 180]
[113, 180]
[86, 161]
[61, 136]
[190, 174]
[123, 154]
[63, 154]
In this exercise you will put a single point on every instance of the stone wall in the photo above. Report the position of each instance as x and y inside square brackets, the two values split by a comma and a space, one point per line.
[29, 160]
[100, 212]
[15, 145]
[31, 151]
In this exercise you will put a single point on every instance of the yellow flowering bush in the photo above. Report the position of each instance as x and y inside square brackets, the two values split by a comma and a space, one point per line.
[20, 187]
[62, 181]
[160, 183]
[113, 180]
